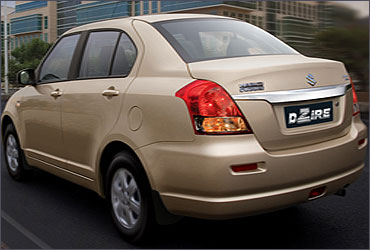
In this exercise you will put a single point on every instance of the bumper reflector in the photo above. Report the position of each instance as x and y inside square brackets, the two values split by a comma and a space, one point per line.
[316, 192]
[362, 141]
[245, 167]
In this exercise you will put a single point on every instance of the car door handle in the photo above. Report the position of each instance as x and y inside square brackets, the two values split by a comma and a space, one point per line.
[56, 93]
[110, 92]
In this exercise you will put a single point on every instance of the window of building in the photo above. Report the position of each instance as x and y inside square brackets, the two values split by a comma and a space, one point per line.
[98, 54]
[16, 42]
[137, 8]
[45, 22]
[46, 37]
[254, 20]
[233, 14]
[24, 24]
[154, 6]
[259, 5]
[167, 6]
[260, 21]
[56, 65]
[25, 39]
[305, 10]
[146, 7]
[247, 18]
[278, 27]
[125, 57]
[225, 13]
[30, 5]
[94, 11]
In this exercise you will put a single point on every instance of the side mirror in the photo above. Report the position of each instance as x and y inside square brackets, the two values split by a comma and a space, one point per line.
[26, 77]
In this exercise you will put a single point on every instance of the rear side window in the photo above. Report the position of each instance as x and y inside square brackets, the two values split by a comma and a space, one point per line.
[98, 54]
[215, 38]
[125, 57]
[56, 65]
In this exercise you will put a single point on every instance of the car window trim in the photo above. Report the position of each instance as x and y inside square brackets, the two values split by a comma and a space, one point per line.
[114, 54]
[77, 57]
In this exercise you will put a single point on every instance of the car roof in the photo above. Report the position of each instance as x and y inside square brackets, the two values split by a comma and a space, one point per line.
[166, 17]
[113, 23]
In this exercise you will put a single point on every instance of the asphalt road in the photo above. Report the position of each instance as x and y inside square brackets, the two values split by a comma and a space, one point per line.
[49, 212]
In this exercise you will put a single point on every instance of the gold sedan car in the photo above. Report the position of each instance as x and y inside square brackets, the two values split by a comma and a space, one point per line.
[185, 115]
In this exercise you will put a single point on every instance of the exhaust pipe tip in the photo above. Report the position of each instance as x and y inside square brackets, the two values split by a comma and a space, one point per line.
[341, 192]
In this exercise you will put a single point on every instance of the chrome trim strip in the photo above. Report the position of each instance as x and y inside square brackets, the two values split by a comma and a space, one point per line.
[297, 95]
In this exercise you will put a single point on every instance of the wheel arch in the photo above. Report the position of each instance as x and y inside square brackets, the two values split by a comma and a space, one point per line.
[5, 121]
[111, 149]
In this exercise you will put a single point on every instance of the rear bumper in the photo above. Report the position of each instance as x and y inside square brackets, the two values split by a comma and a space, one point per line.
[231, 207]
[195, 179]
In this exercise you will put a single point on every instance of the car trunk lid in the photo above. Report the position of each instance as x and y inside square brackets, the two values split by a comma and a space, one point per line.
[285, 84]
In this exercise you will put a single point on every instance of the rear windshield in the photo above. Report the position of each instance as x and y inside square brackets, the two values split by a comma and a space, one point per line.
[201, 39]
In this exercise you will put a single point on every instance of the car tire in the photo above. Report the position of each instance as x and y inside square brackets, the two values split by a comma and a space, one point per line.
[128, 194]
[14, 157]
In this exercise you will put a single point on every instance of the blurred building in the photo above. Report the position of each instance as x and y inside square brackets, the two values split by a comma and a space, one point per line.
[30, 20]
[295, 22]
[8, 11]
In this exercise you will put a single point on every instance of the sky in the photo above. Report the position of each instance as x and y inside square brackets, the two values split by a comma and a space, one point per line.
[361, 6]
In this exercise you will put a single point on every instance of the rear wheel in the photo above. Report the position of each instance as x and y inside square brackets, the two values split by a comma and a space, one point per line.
[14, 156]
[128, 194]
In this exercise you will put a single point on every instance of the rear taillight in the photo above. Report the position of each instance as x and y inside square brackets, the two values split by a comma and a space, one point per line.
[356, 107]
[212, 110]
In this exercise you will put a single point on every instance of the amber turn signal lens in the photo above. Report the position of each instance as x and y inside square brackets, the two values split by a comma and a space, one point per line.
[222, 124]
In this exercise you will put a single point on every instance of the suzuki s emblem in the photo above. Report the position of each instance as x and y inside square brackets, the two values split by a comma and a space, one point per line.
[311, 80]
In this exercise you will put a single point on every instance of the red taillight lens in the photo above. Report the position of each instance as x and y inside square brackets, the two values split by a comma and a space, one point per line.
[356, 107]
[212, 109]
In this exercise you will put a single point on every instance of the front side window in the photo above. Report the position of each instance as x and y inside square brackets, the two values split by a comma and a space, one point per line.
[207, 39]
[56, 65]
[98, 54]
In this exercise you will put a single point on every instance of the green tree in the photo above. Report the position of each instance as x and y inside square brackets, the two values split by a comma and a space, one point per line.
[349, 45]
[27, 56]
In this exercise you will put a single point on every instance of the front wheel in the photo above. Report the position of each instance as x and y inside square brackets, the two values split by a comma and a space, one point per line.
[14, 156]
[129, 197]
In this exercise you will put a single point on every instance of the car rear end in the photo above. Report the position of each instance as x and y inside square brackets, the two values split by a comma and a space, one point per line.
[271, 127]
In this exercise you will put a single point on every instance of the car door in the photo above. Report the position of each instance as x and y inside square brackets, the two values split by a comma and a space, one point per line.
[92, 102]
[40, 107]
